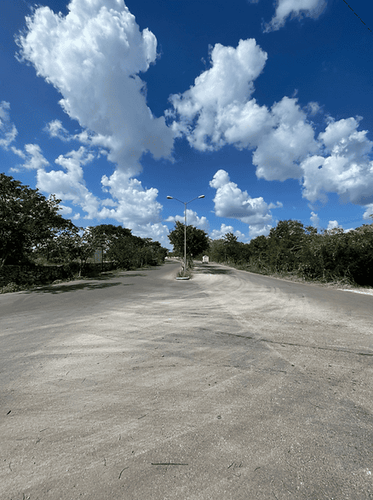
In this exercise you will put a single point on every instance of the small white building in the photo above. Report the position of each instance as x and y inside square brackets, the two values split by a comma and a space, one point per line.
[205, 259]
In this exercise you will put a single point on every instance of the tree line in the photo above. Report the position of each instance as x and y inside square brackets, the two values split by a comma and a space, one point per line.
[289, 249]
[292, 248]
[33, 232]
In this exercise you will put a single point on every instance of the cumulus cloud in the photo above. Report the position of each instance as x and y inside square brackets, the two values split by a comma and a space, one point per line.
[231, 202]
[256, 231]
[218, 234]
[35, 159]
[368, 214]
[65, 211]
[93, 57]
[129, 203]
[135, 205]
[343, 165]
[212, 100]
[33, 156]
[55, 129]
[315, 219]
[219, 110]
[294, 8]
[68, 183]
[332, 224]
[289, 141]
[192, 219]
[8, 131]
[157, 232]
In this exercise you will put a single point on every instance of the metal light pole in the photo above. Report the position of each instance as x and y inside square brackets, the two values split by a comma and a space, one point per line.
[185, 203]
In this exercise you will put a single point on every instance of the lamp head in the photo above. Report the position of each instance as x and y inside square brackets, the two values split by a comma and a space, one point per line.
[169, 197]
[201, 196]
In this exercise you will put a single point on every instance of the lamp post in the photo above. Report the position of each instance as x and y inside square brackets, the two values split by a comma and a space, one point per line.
[185, 203]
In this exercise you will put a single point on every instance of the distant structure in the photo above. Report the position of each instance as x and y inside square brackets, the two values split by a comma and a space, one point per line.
[205, 259]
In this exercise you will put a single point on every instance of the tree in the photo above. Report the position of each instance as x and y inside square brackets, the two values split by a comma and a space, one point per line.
[217, 251]
[285, 244]
[231, 247]
[27, 219]
[126, 250]
[197, 241]
[259, 254]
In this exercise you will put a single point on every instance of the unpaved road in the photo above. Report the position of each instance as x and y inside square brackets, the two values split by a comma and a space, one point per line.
[227, 386]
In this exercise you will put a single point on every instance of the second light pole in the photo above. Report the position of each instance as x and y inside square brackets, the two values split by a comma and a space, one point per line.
[185, 203]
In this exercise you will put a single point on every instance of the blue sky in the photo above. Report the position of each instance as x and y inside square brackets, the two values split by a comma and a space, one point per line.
[264, 107]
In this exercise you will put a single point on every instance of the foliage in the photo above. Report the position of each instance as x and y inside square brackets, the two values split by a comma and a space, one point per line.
[291, 248]
[116, 243]
[32, 232]
[27, 219]
[197, 241]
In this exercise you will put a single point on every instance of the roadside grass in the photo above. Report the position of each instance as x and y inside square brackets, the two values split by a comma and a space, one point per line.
[335, 282]
[74, 283]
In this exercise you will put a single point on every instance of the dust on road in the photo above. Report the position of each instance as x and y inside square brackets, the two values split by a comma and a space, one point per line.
[227, 386]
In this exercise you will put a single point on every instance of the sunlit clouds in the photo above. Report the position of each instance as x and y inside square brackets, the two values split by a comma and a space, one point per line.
[103, 151]
[8, 131]
[93, 56]
[294, 9]
[233, 203]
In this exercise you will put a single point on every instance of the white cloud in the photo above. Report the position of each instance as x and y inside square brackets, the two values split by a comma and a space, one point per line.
[55, 129]
[136, 206]
[130, 204]
[289, 141]
[218, 234]
[256, 231]
[368, 214]
[343, 165]
[332, 224]
[65, 211]
[217, 96]
[93, 56]
[68, 184]
[8, 131]
[157, 232]
[295, 8]
[233, 203]
[34, 158]
[219, 109]
[313, 108]
[315, 219]
[192, 220]
[18, 152]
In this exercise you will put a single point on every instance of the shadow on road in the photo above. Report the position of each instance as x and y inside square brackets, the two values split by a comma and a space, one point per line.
[114, 274]
[55, 289]
[210, 269]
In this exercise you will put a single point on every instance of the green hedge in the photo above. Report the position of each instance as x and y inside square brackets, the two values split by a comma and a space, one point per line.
[33, 274]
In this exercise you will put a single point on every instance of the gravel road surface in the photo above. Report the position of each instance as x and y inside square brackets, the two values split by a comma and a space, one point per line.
[228, 386]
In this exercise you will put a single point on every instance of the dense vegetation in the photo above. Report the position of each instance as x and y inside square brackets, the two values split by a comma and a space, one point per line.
[38, 245]
[291, 248]
[197, 241]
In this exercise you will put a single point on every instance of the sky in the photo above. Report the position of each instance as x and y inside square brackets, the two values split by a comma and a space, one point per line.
[263, 107]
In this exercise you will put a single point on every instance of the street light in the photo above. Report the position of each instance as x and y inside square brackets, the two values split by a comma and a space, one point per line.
[185, 203]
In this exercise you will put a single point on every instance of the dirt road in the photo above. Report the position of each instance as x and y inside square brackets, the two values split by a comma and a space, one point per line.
[227, 386]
